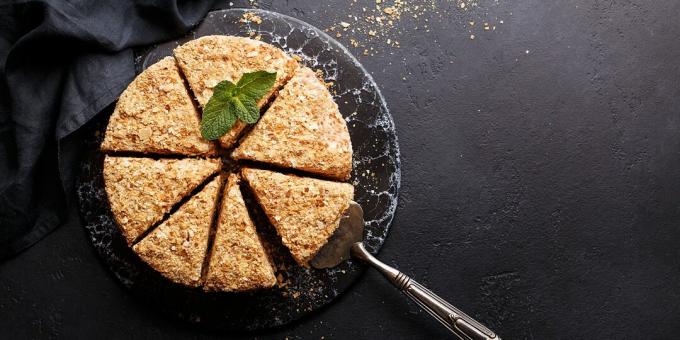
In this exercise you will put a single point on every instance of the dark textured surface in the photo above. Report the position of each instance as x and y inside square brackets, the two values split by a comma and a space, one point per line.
[539, 191]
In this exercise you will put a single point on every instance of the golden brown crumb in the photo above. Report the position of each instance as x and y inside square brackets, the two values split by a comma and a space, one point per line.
[177, 247]
[209, 60]
[142, 190]
[238, 261]
[302, 129]
[155, 114]
[304, 211]
[250, 17]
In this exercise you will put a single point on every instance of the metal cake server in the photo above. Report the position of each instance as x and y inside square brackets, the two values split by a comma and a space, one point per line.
[347, 242]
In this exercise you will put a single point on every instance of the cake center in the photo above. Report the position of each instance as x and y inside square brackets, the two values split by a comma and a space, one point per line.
[229, 165]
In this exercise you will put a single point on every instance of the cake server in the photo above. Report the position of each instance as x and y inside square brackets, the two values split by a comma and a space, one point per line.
[347, 242]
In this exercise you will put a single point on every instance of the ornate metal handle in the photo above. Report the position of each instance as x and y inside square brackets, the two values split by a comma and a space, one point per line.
[459, 323]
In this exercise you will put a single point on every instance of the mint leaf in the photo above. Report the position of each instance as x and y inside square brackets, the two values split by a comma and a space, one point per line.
[246, 109]
[255, 84]
[223, 91]
[218, 118]
[235, 101]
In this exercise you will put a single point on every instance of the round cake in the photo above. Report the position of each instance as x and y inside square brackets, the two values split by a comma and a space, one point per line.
[177, 197]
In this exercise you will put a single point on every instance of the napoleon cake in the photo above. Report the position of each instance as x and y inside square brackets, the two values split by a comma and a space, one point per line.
[168, 205]
[177, 247]
[142, 190]
[155, 114]
[303, 129]
[209, 60]
[305, 211]
[238, 261]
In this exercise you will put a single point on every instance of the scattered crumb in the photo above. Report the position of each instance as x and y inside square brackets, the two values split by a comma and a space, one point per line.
[319, 74]
[251, 17]
[375, 26]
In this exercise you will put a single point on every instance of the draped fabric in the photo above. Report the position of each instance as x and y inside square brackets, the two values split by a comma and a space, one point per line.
[62, 62]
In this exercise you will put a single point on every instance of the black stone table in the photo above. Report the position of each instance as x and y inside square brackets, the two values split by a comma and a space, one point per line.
[540, 182]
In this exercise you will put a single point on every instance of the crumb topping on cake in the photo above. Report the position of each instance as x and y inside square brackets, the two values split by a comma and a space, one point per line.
[305, 211]
[238, 261]
[303, 129]
[155, 114]
[209, 60]
[142, 190]
[177, 247]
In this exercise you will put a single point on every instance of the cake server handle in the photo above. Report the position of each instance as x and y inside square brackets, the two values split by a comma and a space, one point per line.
[459, 323]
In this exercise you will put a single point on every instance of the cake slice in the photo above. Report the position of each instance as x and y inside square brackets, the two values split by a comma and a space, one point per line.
[177, 247]
[155, 114]
[304, 211]
[209, 60]
[142, 190]
[238, 261]
[302, 129]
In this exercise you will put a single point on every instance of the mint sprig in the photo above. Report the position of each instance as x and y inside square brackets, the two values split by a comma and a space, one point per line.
[230, 102]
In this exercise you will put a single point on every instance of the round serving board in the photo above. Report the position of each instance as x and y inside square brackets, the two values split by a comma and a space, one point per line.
[376, 177]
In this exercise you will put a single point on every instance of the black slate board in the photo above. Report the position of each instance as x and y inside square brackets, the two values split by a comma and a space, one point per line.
[376, 177]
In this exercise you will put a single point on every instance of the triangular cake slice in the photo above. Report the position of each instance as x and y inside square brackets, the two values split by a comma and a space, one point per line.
[155, 114]
[304, 211]
[238, 261]
[209, 60]
[302, 129]
[142, 190]
[177, 247]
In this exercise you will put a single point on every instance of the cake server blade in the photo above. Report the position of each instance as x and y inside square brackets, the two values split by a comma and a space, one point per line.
[337, 249]
[347, 242]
